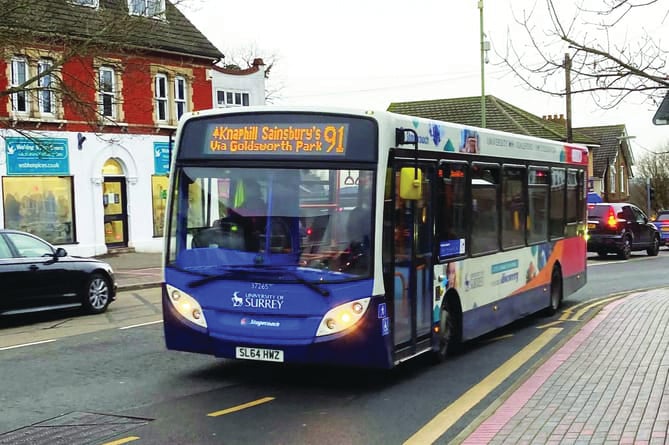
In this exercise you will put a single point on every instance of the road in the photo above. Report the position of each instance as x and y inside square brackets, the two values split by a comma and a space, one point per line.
[108, 379]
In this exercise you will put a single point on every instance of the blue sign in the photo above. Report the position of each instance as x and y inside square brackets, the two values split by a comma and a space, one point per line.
[385, 326]
[161, 156]
[382, 311]
[39, 156]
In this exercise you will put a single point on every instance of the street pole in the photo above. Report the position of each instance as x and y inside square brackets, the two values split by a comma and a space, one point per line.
[567, 73]
[482, 63]
[648, 196]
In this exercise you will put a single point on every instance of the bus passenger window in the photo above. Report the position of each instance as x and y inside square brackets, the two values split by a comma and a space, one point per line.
[513, 207]
[485, 219]
[450, 209]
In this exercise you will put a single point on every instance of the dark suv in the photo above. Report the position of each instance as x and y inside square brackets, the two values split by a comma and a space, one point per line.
[620, 228]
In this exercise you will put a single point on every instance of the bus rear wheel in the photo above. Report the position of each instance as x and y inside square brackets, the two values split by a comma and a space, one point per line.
[555, 292]
[449, 333]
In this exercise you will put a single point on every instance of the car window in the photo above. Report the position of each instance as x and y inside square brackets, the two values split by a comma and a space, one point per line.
[599, 212]
[29, 247]
[5, 251]
[628, 214]
[639, 216]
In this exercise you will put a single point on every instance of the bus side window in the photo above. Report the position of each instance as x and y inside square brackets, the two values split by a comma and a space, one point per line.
[485, 205]
[450, 208]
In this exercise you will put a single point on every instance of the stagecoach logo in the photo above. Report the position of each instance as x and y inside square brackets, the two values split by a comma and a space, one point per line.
[257, 300]
[261, 323]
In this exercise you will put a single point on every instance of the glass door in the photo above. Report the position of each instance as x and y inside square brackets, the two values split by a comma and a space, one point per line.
[115, 215]
[412, 274]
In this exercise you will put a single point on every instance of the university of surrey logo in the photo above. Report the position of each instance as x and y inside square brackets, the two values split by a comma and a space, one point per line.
[237, 301]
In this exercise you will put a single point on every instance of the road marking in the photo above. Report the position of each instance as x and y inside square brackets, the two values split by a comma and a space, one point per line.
[240, 407]
[122, 441]
[140, 325]
[585, 306]
[434, 429]
[494, 339]
[548, 325]
[6, 348]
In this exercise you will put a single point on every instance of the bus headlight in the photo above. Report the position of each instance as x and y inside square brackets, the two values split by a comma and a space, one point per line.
[186, 306]
[342, 317]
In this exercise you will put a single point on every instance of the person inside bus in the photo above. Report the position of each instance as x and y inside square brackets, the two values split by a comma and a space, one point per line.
[248, 213]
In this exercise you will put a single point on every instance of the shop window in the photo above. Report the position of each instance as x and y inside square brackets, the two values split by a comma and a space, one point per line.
[40, 205]
[159, 186]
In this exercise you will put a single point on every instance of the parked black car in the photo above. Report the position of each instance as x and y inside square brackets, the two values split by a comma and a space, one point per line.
[36, 276]
[620, 228]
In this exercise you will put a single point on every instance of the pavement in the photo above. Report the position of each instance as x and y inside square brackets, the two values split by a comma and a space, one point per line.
[607, 384]
[135, 270]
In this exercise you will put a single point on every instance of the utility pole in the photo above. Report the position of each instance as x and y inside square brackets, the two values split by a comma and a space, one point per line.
[567, 76]
[483, 50]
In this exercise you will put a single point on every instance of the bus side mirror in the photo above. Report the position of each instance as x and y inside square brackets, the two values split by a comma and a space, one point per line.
[411, 181]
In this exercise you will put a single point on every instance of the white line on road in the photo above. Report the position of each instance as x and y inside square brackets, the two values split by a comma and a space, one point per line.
[140, 325]
[6, 348]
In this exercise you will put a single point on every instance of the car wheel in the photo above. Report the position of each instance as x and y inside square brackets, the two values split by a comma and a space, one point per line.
[626, 249]
[96, 295]
[449, 333]
[655, 248]
[555, 300]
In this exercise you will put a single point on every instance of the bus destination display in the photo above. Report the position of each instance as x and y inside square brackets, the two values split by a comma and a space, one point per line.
[315, 139]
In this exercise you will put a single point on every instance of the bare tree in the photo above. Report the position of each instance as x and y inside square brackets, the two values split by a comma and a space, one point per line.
[655, 166]
[611, 51]
[242, 58]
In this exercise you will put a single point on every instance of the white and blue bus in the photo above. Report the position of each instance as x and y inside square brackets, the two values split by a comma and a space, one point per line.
[360, 238]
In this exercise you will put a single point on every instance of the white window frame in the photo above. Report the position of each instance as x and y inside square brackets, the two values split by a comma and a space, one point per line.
[180, 96]
[161, 87]
[89, 3]
[147, 8]
[45, 94]
[622, 179]
[107, 94]
[233, 98]
[17, 80]
[613, 178]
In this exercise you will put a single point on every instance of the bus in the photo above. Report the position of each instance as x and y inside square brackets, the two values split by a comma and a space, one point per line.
[362, 238]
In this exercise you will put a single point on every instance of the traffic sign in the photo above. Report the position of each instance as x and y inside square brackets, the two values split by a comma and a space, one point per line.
[662, 114]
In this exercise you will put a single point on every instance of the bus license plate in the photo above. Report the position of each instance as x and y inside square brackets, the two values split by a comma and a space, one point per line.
[268, 355]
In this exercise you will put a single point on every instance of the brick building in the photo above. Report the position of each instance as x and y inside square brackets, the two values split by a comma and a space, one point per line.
[93, 93]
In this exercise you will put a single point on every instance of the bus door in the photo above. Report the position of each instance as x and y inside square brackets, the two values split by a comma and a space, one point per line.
[412, 223]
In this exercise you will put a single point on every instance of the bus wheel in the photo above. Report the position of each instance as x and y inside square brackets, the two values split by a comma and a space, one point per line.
[555, 292]
[449, 333]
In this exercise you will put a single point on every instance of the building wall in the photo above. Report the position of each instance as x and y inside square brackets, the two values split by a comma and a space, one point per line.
[253, 84]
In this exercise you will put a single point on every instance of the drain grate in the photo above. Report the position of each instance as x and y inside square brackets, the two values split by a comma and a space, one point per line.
[76, 428]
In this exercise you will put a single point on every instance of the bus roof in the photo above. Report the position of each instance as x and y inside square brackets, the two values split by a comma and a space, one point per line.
[432, 134]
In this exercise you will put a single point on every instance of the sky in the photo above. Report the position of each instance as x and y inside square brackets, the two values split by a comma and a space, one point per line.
[369, 53]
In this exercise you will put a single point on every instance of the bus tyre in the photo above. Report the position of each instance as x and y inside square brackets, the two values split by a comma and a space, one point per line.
[449, 333]
[555, 300]
[96, 295]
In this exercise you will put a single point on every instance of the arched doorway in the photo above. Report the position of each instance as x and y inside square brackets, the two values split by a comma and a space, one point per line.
[114, 200]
